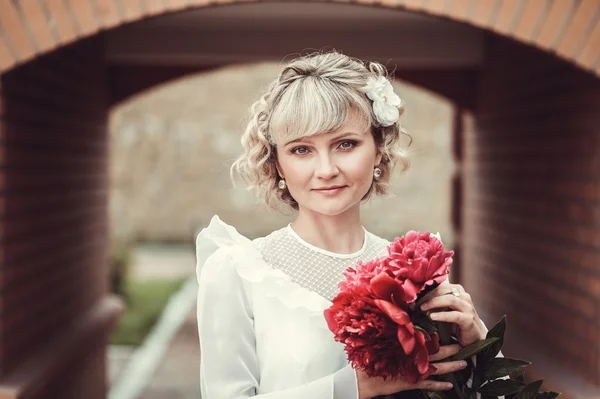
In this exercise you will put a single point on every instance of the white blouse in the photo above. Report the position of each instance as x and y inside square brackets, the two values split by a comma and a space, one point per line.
[260, 315]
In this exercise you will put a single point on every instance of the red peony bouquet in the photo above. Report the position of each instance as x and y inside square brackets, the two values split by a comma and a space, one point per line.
[377, 316]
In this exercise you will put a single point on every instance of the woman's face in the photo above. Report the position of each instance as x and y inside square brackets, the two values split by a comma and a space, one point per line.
[329, 173]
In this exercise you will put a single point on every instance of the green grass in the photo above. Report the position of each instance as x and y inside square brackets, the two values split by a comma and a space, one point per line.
[144, 305]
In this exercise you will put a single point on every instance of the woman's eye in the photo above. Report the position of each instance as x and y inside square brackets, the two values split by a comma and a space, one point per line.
[347, 145]
[300, 150]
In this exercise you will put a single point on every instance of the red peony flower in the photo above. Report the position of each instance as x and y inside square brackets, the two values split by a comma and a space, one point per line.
[378, 336]
[385, 286]
[418, 260]
[372, 313]
[362, 273]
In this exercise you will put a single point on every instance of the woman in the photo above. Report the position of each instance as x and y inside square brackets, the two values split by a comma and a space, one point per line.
[323, 139]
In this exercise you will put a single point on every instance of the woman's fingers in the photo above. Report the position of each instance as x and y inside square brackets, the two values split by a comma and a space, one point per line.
[447, 301]
[459, 318]
[377, 386]
[449, 367]
[445, 351]
[431, 385]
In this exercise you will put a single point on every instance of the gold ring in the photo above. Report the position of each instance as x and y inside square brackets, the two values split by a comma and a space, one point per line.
[455, 291]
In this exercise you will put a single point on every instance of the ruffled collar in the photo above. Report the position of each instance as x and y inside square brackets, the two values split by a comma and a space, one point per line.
[252, 267]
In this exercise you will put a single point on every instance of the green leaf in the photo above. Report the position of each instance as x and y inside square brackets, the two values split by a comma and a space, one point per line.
[530, 391]
[501, 387]
[547, 395]
[488, 397]
[496, 332]
[501, 367]
[474, 348]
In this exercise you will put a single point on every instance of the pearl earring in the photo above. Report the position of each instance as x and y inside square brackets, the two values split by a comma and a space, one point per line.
[377, 173]
[281, 184]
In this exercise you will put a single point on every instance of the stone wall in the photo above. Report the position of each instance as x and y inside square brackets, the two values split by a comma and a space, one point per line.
[171, 148]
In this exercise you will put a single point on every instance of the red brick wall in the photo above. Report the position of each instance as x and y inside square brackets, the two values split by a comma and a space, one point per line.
[531, 242]
[53, 205]
[567, 27]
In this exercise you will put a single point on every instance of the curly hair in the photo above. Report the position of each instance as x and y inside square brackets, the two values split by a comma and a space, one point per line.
[314, 94]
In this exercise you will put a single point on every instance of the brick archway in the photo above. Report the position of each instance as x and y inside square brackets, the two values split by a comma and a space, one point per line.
[565, 28]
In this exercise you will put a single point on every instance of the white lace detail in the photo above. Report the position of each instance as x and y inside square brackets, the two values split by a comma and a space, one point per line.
[324, 251]
[310, 267]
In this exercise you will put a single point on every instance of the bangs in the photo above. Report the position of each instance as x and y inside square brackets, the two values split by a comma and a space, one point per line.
[314, 105]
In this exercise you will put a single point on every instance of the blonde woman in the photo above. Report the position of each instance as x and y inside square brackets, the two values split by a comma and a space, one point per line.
[322, 139]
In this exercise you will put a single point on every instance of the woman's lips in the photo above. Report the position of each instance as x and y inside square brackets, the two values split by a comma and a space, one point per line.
[330, 191]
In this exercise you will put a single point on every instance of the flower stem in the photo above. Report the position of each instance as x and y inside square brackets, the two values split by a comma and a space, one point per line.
[445, 333]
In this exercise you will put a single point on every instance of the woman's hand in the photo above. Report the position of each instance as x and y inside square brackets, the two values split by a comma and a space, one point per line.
[457, 308]
[370, 387]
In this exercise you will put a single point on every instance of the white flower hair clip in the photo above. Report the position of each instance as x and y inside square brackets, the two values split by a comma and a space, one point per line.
[386, 103]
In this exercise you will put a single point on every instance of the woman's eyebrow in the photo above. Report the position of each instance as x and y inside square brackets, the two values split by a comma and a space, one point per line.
[340, 136]
[294, 141]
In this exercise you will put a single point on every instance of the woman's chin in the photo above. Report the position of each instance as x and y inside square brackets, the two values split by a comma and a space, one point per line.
[335, 209]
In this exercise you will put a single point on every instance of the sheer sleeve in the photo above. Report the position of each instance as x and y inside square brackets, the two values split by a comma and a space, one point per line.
[228, 365]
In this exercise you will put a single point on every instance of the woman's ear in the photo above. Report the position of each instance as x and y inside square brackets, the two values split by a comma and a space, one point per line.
[278, 167]
[378, 157]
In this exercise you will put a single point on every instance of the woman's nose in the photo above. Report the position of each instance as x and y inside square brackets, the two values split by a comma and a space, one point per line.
[326, 168]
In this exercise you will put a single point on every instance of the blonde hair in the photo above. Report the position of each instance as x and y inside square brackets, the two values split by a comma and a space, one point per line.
[313, 94]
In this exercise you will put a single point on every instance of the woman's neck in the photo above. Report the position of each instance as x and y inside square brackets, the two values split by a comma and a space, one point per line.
[342, 234]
